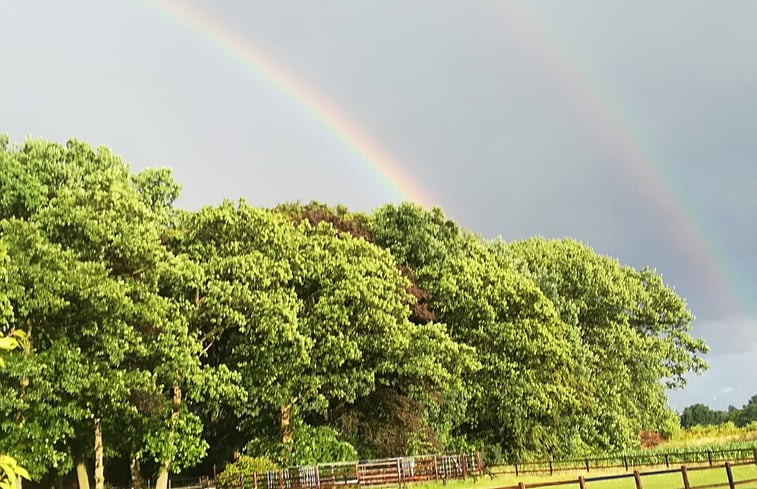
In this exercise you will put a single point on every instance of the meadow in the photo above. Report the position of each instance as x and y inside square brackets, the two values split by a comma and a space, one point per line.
[715, 475]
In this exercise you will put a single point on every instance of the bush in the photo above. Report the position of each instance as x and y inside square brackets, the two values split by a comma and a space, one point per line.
[244, 466]
[318, 445]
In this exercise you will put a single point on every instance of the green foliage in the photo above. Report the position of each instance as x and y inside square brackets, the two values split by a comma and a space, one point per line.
[634, 337]
[244, 466]
[10, 471]
[701, 415]
[321, 444]
[308, 333]
[84, 276]
[525, 386]
[747, 415]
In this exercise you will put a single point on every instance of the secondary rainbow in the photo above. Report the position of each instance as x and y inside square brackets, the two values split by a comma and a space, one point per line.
[652, 180]
[306, 99]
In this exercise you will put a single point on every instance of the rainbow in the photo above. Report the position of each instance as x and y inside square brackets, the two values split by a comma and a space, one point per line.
[596, 109]
[306, 99]
[652, 180]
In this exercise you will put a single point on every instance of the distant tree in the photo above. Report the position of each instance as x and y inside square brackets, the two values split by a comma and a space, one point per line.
[748, 413]
[701, 415]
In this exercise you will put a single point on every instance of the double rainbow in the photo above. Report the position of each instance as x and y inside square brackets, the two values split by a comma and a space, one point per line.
[594, 107]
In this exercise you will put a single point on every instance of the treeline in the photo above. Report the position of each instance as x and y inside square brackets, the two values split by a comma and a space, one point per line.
[161, 339]
[702, 415]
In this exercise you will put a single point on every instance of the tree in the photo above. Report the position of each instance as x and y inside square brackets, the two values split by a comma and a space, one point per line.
[701, 415]
[10, 471]
[309, 317]
[634, 336]
[85, 236]
[748, 413]
[526, 386]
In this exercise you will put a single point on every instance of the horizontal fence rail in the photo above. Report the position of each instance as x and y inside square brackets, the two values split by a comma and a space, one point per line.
[404, 470]
[626, 462]
[582, 482]
[369, 473]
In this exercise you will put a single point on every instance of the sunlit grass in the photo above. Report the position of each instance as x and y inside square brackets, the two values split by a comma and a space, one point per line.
[664, 481]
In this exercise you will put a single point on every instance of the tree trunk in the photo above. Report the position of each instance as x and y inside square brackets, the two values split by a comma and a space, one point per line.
[286, 429]
[82, 476]
[165, 465]
[162, 482]
[99, 468]
[135, 468]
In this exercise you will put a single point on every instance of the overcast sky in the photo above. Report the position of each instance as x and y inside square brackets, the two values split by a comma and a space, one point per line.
[627, 125]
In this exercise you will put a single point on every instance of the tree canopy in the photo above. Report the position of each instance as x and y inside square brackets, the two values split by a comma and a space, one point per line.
[304, 333]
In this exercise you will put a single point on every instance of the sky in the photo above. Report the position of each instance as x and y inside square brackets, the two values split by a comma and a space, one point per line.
[627, 125]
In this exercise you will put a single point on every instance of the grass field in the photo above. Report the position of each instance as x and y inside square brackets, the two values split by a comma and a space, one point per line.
[665, 481]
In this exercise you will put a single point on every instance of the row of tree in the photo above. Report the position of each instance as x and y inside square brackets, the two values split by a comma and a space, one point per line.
[702, 415]
[162, 339]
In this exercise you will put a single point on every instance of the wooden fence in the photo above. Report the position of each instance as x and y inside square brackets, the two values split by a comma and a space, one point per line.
[397, 471]
[403, 470]
[626, 462]
[638, 477]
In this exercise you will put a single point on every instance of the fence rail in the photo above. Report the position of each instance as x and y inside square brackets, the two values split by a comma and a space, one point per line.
[582, 481]
[626, 462]
[369, 473]
[403, 470]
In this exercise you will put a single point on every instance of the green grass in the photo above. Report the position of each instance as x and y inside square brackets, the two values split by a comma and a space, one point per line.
[664, 481]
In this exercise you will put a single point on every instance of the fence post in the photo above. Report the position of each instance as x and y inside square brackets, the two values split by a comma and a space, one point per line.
[730, 475]
[581, 482]
[709, 457]
[667, 461]
[754, 452]
[637, 479]
[241, 481]
[521, 485]
[685, 476]
[281, 479]
[464, 465]
[399, 473]
[625, 462]
[318, 478]
[436, 470]
[586, 460]
[550, 467]
[516, 469]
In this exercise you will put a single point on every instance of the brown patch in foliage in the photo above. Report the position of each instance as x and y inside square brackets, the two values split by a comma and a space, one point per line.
[388, 422]
[421, 309]
[421, 312]
[650, 439]
[145, 402]
[350, 226]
